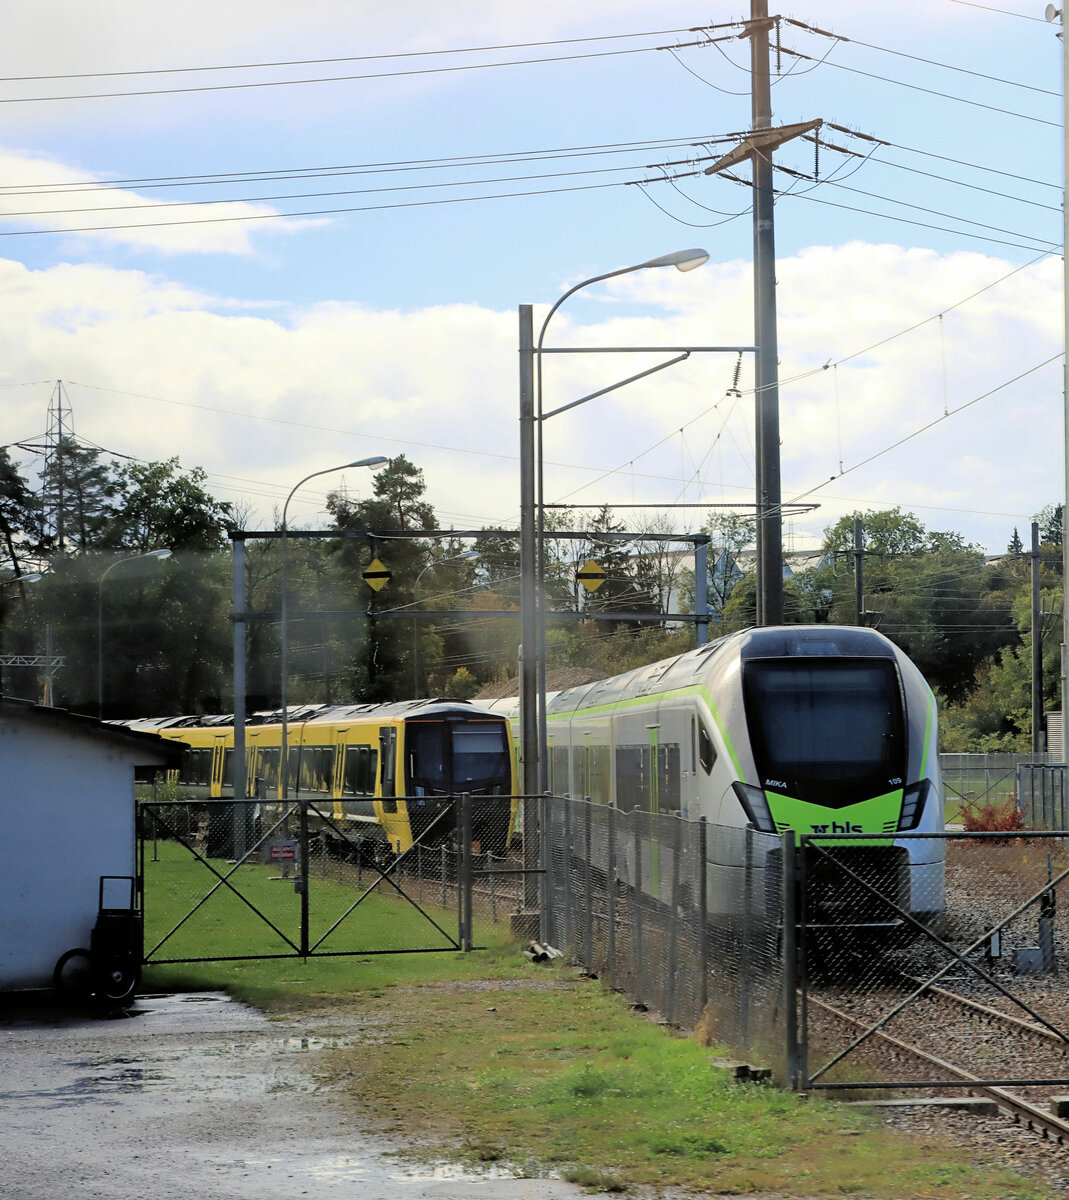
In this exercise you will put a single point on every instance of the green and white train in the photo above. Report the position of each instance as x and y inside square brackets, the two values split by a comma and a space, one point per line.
[821, 729]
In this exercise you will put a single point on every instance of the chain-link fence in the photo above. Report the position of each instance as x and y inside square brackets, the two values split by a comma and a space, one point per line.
[1042, 796]
[263, 879]
[973, 782]
[912, 954]
[683, 916]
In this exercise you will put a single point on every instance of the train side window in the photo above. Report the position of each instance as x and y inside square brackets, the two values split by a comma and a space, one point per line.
[360, 764]
[706, 749]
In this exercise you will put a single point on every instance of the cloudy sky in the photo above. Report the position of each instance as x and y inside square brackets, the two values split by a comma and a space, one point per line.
[269, 237]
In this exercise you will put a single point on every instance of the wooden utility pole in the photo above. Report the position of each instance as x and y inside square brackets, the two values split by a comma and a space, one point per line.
[1037, 647]
[758, 147]
[766, 368]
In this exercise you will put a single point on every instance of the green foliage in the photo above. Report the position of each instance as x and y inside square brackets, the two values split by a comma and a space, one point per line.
[160, 505]
[462, 685]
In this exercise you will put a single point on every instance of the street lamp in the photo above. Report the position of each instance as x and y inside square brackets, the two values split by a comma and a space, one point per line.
[377, 461]
[532, 535]
[467, 556]
[100, 618]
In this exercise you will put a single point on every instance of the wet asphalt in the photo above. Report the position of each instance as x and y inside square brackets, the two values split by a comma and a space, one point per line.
[194, 1097]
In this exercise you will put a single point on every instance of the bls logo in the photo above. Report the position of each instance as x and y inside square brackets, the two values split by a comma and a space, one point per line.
[835, 827]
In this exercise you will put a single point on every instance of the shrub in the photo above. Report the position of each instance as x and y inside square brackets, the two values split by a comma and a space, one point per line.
[991, 818]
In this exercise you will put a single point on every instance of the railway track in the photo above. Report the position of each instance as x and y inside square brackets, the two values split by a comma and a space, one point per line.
[1014, 1095]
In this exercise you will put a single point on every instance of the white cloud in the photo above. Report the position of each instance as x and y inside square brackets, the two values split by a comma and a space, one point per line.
[38, 193]
[337, 381]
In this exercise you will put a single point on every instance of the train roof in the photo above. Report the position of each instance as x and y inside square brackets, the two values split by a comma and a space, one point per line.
[777, 641]
[311, 714]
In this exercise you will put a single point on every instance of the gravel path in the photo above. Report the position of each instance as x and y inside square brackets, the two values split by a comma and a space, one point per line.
[195, 1096]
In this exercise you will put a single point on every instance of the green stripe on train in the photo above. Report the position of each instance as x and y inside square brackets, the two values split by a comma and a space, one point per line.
[656, 698]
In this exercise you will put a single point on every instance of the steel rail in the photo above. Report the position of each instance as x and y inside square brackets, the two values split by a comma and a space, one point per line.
[986, 1010]
[1015, 1106]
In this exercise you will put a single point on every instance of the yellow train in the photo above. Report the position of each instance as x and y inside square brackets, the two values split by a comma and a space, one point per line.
[392, 767]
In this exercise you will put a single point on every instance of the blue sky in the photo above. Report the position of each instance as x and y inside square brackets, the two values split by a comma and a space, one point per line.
[267, 349]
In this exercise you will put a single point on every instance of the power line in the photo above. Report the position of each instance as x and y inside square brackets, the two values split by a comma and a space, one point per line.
[957, 162]
[1031, 245]
[1002, 11]
[309, 62]
[234, 87]
[931, 62]
[975, 187]
[410, 187]
[402, 165]
[919, 208]
[325, 212]
[914, 87]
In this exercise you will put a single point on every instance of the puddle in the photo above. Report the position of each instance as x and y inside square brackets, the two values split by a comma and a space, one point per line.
[340, 1168]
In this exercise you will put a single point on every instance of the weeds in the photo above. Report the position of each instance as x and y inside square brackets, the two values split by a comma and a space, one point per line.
[991, 818]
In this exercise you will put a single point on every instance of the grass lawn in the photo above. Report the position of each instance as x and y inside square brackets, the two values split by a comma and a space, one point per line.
[489, 1059]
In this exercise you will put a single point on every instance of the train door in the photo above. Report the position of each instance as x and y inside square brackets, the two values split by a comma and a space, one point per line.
[394, 824]
[218, 762]
[337, 783]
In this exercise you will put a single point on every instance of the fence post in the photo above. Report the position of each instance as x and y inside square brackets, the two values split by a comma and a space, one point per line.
[637, 902]
[745, 971]
[673, 919]
[302, 883]
[465, 873]
[611, 895]
[703, 905]
[588, 890]
[568, 931]
[790, 959]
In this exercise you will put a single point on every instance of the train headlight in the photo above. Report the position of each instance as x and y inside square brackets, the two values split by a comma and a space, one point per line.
[914, 799]
[755, 806]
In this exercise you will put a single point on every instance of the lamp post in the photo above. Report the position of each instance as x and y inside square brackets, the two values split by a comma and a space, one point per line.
[160, 554]
[532, 531]
[467, 556]
[377, 461]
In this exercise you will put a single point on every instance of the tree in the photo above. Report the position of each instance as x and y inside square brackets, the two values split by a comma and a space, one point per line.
[77, 494]
[930, 592]
[157, 504]
[19, 518]
[383, 667]
[621, 591]
[1050, 518]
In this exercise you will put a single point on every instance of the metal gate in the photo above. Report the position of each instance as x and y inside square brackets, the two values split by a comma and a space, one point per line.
[231, 880]
[886, 957]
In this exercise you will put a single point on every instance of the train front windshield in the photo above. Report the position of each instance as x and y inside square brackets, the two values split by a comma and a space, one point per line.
[445, 757]
[827, 731]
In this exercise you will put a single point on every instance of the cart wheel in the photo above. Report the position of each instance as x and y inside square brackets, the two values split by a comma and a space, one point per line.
[115, 984]
[72, 975]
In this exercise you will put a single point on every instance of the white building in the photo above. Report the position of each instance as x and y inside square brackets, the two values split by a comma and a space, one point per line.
[68, 817]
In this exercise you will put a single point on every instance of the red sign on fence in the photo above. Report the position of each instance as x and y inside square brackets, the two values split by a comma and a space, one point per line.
[281, 852]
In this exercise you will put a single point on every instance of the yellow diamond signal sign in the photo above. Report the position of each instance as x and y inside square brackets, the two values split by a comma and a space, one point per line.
[377, 575]
[591, 575]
